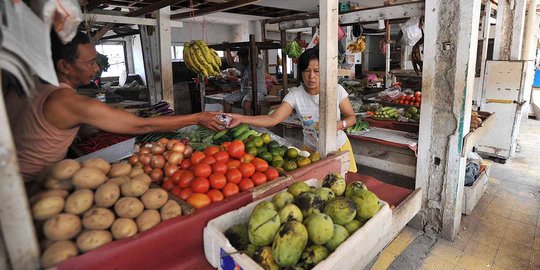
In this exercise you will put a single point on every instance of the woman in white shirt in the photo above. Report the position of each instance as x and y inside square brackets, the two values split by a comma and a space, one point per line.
[304, 99]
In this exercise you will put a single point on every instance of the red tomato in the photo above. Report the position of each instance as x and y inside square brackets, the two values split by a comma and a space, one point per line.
[202, 170]
[185, 179]
[217, 180]
[419, 99]
[196, 157]
[258, 178]
[168, 185]
[230, 189]
[247, 169]
[200, 185]
[246, 184]
[176, 191]
[221, 156]
[260, 164]
[199, 200]
[234, 176]
[417, 104]
[417, 94]
[176, 176]
[225, 145]
[271, 174]
[186, 164]
[184, 193]
[209, 160]
[215, 195]
[233, 164]
[219, 167]
[236, 149]
[211, 150]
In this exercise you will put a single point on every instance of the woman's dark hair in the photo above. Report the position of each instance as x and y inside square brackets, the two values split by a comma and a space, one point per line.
[303, 60]
[67, 51]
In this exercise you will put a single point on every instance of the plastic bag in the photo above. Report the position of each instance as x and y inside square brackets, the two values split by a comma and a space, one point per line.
[64, 15]
[411, 31]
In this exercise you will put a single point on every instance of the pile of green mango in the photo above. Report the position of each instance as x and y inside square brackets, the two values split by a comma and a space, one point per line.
[303, 225]
[412, 113]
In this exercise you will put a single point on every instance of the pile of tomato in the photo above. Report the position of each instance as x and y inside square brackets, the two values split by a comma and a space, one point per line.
[411, 100]
[216, 173]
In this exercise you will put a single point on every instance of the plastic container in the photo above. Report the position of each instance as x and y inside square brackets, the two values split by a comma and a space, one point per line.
[354, 253]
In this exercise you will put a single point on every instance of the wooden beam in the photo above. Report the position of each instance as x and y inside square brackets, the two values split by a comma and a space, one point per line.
[106, 28]
[213, 9]
[313, 22]
[94, 4]
[397, 11]
[304, 16]
[122, 19]
[328, 72]
[151, 8]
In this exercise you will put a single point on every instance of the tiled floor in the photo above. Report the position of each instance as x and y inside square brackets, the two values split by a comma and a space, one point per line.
[503, 231]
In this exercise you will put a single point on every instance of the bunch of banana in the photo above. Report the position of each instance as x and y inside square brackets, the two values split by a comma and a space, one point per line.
[357, 46]
[201, 59]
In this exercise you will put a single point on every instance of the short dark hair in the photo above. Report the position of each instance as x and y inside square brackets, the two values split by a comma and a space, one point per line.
[66, 51]
[243, 52]
[303, 60]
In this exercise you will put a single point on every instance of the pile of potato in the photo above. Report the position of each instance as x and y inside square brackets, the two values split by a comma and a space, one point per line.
[88, 204]
[476, 121]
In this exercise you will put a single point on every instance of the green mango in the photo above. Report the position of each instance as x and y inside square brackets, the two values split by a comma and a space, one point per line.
[263, 224]
[367, 204]
[320, 228]
[314, 254]
[289, 243]
[339, 236]
[281, 199]
[342, 210]
[336, 183]
[290, 212]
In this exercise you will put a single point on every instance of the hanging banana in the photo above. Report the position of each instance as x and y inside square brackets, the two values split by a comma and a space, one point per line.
[357, 46]
[201, 59]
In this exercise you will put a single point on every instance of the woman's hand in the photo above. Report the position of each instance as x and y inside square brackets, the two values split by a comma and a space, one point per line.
[236, 120]
[209, 120]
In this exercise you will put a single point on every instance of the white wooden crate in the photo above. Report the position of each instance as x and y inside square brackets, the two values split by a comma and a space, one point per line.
[472, 194]
[354, 253]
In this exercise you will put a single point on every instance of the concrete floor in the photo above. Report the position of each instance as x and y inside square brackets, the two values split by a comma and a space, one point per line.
[502, 232]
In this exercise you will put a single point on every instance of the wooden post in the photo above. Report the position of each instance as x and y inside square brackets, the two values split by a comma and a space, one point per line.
[253, 60]
[164, 30]
[328, 71]
[15, 218]
[263, 39]
[149, 42]
[284, 73]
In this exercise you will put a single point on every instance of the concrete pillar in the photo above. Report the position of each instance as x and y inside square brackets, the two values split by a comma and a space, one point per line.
[509, 30]
[531, 28]
[165, 58]
[451, 31]
[240, 32]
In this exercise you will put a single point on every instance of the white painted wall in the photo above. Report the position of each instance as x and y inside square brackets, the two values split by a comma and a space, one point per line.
[213, 33]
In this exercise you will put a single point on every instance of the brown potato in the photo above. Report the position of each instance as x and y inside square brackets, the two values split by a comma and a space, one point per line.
[124, 228]
[98, 219]
[55, 184]
[62, 227]
[119, 180]
[134, 188]
[49, 193]
[48, 207]
[170, 209]
[128, 207]
[89, 240]
[107, 194]
[154, 198]
[148, 219]
[88, 178]
[58, 252]
[65, 169]
[79, 201]
[120, 169]
[136, 171]
[143, 177]
[97, 163]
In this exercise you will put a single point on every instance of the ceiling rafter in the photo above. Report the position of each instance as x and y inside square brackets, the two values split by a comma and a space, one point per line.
[213, 9]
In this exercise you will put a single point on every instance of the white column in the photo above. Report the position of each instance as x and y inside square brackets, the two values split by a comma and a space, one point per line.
[328, 70]
[447, 90]
[164, 30]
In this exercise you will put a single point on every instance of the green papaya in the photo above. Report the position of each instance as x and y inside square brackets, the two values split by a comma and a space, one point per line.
[289, 243]
[263, 224]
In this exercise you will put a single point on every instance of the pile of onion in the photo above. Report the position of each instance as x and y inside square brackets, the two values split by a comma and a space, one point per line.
[161, 159]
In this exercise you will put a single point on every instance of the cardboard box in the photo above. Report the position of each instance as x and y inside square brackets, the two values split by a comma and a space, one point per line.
[354, 253]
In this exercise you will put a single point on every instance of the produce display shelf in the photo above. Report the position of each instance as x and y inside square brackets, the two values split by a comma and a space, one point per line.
[412, 127]
[472, 139]
[386, 103]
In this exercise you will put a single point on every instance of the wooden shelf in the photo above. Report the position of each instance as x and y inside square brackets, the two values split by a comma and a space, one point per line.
[474, 137]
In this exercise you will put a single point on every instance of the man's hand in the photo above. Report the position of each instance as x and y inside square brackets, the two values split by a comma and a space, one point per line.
[209, 120]
[236, 120]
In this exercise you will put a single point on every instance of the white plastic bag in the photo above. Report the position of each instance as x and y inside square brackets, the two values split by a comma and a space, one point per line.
[411, 31]
[64, 15]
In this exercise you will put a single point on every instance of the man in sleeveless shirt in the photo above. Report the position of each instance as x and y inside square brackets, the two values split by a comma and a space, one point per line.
[46, 127]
